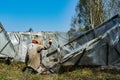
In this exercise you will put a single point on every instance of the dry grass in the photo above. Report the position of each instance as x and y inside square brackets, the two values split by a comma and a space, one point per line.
[14, 72]
[91, 74]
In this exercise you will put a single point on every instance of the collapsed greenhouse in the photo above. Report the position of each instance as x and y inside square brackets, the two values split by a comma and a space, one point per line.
[99, 46]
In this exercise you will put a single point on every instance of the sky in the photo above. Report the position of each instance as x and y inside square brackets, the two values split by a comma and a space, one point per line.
[40, 15]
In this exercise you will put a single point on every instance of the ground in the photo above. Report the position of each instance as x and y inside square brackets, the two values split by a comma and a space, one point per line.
[14, 72]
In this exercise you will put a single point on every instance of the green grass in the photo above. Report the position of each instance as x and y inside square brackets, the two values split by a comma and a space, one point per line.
[14, 72]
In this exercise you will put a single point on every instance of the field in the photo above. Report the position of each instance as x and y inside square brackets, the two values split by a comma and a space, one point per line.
[14, 72]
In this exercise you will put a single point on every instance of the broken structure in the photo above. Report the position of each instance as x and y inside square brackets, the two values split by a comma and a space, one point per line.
[99, 46]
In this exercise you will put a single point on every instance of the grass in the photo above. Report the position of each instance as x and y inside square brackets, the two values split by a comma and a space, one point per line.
[14, 72]
[91, 74]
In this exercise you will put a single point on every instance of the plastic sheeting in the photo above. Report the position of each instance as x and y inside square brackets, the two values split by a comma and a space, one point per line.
[20, 41]
[99, 46]
[101, 51]
[6, 47]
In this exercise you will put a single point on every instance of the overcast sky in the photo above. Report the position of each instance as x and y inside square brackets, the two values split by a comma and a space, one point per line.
[40, 15]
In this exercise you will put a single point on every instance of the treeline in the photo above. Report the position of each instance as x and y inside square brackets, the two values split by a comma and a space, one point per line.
[90, 13]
